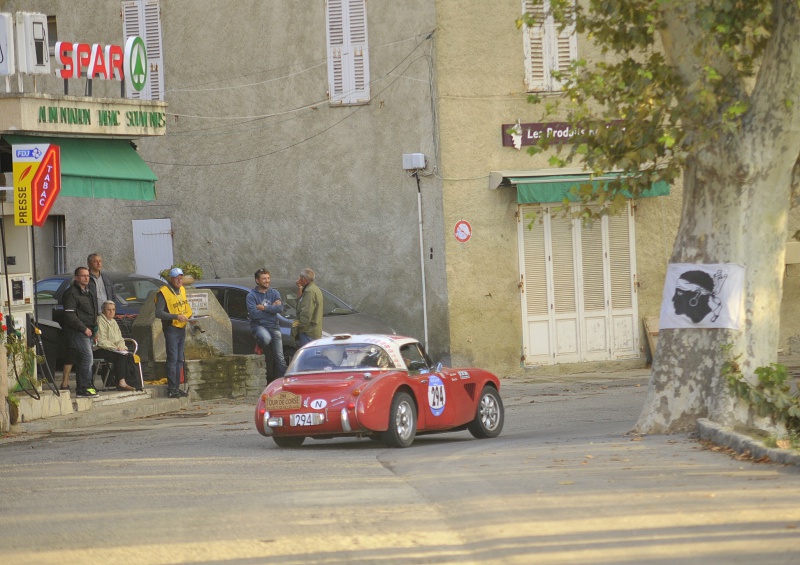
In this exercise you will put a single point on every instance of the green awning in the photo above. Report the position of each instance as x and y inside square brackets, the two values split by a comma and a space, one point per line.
[98, 168]
[533, 190]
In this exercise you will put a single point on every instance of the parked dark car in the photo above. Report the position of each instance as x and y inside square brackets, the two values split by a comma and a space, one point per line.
[338, 316]
[131, 291]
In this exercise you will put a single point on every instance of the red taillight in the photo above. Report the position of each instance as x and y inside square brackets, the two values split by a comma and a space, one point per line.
[351, 406]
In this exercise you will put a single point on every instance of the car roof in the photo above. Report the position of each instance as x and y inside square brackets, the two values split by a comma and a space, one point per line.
[241, 282]
[387, 341]
[111, 274]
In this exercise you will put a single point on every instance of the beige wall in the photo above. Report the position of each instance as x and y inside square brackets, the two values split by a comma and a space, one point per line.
[480, 87]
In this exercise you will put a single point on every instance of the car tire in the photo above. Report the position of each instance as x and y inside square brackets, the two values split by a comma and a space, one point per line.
[288, 441]
[489, 416]
[402, 421]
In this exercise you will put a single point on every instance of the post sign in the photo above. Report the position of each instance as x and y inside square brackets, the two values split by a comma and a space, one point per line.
[37, 182]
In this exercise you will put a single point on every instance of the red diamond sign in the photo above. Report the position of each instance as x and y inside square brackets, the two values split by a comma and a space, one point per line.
[46, 185]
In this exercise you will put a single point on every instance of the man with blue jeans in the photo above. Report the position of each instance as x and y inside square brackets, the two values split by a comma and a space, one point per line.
[263, 305]
[80, 317]
[174, 311]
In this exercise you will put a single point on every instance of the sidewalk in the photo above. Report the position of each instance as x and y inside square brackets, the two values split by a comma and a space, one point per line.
[64, 412]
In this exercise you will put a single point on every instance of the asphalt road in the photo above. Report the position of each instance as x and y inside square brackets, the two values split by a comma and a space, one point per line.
[564, 483]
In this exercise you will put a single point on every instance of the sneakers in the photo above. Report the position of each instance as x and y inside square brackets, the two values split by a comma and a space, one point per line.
[178, 394]
[88, 393]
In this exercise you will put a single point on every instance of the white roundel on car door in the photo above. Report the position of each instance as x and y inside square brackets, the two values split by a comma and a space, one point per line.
[436, 395]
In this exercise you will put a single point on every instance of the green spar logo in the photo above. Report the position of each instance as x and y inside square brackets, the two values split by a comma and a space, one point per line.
[135, 64]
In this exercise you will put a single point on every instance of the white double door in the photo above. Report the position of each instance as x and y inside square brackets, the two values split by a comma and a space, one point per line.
[577, 286]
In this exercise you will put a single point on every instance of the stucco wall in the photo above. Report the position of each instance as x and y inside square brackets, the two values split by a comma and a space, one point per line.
[481, 87]
[257, 169]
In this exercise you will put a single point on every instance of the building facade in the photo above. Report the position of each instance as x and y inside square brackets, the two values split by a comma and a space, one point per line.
[286, 125]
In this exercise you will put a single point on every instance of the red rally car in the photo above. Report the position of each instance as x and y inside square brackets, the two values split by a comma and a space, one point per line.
[379, 386]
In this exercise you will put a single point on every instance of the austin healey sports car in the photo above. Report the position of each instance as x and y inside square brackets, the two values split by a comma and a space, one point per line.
[383, 387]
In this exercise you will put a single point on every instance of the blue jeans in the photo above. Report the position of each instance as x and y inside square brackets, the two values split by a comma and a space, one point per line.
[83, 361]
[272, 336]
[175, 339]
[303, 339]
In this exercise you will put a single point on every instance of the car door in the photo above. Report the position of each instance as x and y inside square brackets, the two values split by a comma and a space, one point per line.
[236, 307]
[434, 390]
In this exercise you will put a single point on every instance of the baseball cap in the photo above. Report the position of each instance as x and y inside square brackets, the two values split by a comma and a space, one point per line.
[175, 272]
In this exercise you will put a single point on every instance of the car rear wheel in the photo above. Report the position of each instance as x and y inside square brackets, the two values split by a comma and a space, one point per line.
[489, 416]
[402, 421]
[288, 441]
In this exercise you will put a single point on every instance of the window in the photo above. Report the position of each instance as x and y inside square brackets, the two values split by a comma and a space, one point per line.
[237, 304]
[143, 18]
[52, 34]
[546, 49]
[59, 244]
[348, 53]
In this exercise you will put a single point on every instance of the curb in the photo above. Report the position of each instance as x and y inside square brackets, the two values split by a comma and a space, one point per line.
[104, 415]
[741, 443]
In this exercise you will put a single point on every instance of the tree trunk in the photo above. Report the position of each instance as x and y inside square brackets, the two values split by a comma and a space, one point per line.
[735, 210]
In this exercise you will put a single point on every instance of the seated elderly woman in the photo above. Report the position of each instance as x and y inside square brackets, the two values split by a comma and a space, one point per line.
[111, 347]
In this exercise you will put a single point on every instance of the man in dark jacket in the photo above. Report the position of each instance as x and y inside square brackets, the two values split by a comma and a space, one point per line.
[80, 317]
[101, 286]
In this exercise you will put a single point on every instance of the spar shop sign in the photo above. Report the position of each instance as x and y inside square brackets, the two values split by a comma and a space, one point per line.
[107, 62]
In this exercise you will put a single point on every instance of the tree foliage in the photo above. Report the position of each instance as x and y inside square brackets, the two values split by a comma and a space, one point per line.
[674, 76]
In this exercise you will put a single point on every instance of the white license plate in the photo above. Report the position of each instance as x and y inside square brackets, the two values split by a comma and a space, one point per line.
[309, 419]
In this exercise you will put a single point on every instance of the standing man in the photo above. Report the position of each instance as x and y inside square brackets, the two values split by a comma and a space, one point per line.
[308, 325]
[101, 286]
[174, 311]
[263, 305]
[80, 316]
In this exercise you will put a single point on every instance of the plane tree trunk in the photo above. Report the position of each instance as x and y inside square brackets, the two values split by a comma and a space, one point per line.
[737, 195]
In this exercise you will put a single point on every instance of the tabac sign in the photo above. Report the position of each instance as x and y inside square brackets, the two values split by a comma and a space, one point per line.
[37, 181]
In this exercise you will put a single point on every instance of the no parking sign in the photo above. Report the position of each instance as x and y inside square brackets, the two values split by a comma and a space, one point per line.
[462, 231]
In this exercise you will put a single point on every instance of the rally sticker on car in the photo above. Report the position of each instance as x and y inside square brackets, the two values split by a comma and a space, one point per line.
[318, 404]
[436, 395]
[463, 374]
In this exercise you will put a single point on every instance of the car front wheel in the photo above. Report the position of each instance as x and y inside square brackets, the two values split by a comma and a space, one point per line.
[402, 421]
[288, 441]
[489, 415]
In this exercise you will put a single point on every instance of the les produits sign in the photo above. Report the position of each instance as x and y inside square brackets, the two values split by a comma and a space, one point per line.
[37, 182]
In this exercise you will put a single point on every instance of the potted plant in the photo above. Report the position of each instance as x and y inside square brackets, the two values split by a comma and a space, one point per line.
[191, 272]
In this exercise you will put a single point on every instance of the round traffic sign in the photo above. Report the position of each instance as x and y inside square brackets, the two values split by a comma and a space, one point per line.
[462, 231]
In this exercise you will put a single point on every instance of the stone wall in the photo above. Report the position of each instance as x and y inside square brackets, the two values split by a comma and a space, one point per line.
[227, 376]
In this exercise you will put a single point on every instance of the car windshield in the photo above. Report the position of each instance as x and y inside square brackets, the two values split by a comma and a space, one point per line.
[340, 357]
[134, 291]
[331, 306]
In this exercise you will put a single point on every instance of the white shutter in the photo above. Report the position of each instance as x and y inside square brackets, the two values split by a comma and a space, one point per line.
[595, 303]
[359, 49]
[622, 266]
[535, 300]
[153, 43]
[545, 49]
[578, 299]
[348, 51]
[533, 48]
[131, 26]
[143, 18]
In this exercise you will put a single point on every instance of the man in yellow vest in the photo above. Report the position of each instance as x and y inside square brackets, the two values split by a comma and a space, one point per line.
[174, 311]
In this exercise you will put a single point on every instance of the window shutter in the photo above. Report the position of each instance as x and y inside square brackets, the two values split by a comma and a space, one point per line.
[619, 248]
[535, 261]
[131, 25]
[359, 49]
[143, 18]
[545, 49]
[348, 49]
[561, 233]
[152, 41]
[535, 79]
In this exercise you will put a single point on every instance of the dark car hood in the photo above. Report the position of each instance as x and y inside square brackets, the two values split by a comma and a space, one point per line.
[354, 324]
